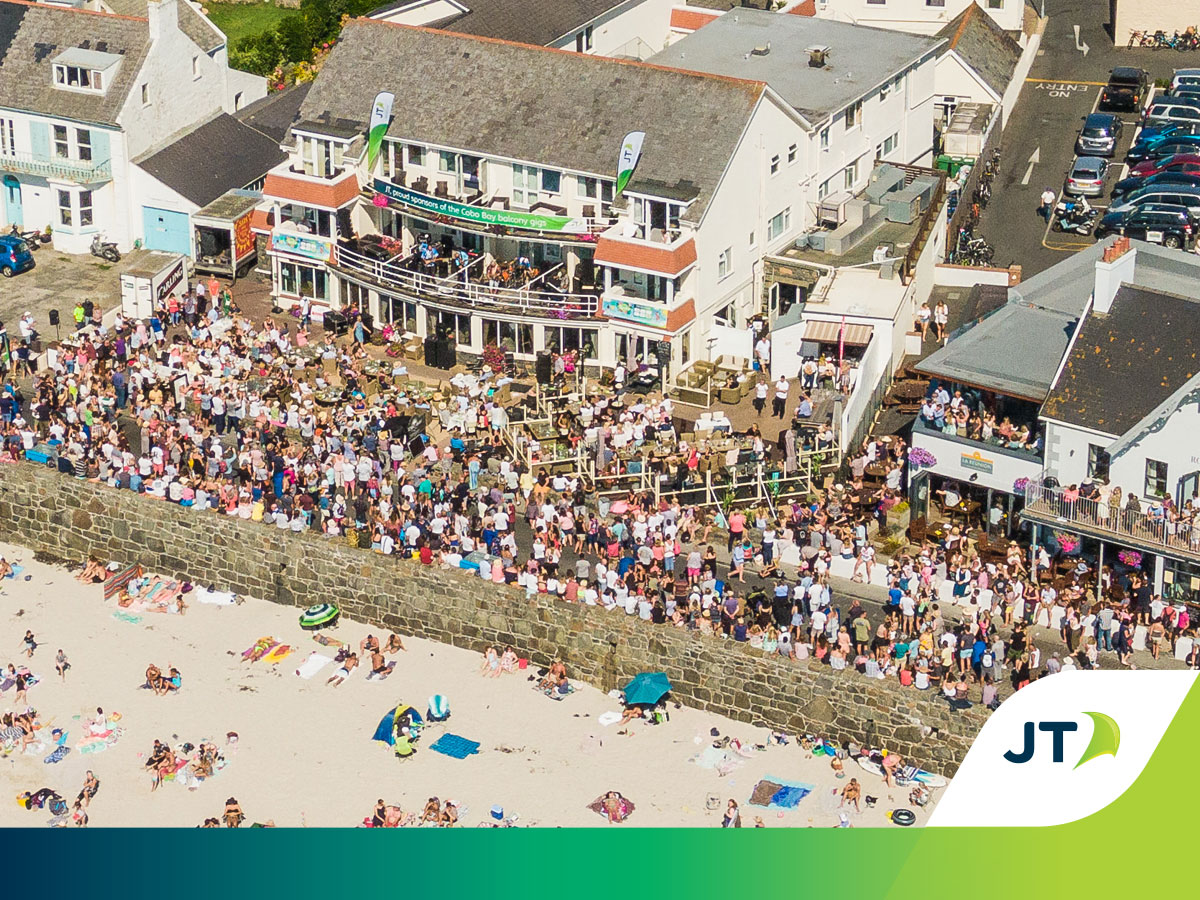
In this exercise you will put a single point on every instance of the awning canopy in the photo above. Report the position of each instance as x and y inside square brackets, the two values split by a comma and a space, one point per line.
[855, 335]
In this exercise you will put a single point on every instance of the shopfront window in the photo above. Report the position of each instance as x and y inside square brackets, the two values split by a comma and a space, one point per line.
[401, 313]
[560, 339]
[455, 325]
[514, 337]
[298, 280]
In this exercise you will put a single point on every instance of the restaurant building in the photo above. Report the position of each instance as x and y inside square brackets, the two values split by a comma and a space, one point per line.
[495, 219]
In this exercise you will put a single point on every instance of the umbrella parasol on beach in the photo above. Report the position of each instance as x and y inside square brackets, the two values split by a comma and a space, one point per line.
[647, 688]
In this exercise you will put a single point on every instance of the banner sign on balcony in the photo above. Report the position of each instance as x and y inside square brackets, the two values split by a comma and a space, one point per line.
[480, 215]
[976, 462]
[381, 114]
[302, 245]
[631, 311]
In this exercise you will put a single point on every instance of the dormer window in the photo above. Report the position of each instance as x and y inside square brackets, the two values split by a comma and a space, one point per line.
[76, 77]
[91, 71]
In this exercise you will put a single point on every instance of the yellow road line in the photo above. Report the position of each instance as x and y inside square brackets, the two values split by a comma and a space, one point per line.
[1061, 81]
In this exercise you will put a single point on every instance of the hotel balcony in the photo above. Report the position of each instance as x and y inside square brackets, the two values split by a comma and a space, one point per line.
[1127, 527]
[471, 208]
[467, 287]
[79, 171]
[991, 464]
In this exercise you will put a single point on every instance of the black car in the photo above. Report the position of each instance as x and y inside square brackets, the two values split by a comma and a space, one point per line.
[1171, 226]
[1127, 186]
[1125, 90]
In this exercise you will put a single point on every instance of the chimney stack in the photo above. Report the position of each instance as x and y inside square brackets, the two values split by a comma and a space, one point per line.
[163, 17]
[1116, 267]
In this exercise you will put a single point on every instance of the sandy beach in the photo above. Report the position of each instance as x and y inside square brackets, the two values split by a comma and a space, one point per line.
[304, 754]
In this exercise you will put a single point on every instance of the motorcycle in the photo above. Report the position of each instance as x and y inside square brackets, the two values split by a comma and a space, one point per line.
[1074, 215]
[105, 249]
[33, 238]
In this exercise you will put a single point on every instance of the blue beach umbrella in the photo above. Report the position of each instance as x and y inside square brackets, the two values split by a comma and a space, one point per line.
[647, 688]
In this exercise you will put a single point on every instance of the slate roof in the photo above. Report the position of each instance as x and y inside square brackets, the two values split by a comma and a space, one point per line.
[860, 58]
[984, 46]
[192, 22]
[275, 113]
[1128, 361]
[531, 104]
[221, 155]
[31, 35]
[540, 22]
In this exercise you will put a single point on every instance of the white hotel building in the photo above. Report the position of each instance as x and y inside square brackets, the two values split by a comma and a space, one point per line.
[509, 151]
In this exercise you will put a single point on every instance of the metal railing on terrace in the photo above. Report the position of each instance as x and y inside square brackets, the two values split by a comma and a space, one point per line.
[1050, 506]
[82, 171]
[457, 289]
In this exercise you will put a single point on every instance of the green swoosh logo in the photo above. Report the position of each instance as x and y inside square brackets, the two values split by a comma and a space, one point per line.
[1106, 738]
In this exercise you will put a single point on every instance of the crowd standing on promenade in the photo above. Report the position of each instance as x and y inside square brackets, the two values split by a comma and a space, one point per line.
[202, 407]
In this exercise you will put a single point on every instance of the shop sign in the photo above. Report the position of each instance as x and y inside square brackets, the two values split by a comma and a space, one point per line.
[302, 245]
[975, 462]
[632, 311]
[243, 237]
[480, 215]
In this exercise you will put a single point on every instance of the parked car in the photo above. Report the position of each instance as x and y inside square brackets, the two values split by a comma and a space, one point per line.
[1180, 162]
[1171, 226]
[1099, 135]
[1157, 148]
[15, 255]
[1185, 78]
[1183, 111]
[1086, 177]
[1125, 90]
[1171, 194]
[1127, 186]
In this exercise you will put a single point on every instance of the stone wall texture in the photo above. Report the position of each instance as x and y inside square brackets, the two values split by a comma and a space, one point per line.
[71, 519]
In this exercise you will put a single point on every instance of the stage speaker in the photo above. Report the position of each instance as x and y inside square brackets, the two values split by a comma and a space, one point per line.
[431, 352]
[54, 317]
[445, 351]
[545, 367]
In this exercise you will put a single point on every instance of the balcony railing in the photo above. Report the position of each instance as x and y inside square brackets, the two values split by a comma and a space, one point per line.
[1049, 506]
[82, 171]
[996, 446]
[458, 290]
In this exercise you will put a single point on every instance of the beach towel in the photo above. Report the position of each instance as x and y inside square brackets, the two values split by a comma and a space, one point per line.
[57, 755]
[116, 583]
[455, 746]
[314, 664]
[555, 694]
[263, 645]
[121, 616]
[778, 793]
[279, 653]
[215, 598]
[609, 718]
[763, 792]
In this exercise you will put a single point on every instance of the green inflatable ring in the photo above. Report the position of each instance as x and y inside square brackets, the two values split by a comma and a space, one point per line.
[319, 615]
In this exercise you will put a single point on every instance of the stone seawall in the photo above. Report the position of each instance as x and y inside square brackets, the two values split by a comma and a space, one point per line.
[71, 519]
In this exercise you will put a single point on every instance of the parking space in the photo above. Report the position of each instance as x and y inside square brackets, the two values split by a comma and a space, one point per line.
[1038, 145]
[55, 282]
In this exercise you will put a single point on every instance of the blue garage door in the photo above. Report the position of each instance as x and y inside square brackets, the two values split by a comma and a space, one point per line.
[167, 230]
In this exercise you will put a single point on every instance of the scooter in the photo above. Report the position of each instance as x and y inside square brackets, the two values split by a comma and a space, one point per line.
[105, 249]
[33, 238]
[1074, 215]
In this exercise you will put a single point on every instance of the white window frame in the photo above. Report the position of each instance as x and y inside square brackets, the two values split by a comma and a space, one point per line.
[724, 264]
[792, 153]
[66, 213]
[823, 138]
[83, 145]
[86, 209]
[61, 148]
[8, 138]
[775, 164]
[753, 240]
[854, 115]
[195, 67]
[778, 224]
[94, 79]
[526, 184]
[850, 176]
[542, 173]
[824, 188]
[145, 95]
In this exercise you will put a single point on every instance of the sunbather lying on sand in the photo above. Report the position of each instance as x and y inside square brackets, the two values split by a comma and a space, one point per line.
[343, 672]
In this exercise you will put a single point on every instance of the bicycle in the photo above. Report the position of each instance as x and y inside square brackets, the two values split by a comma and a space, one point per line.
[1136, 37]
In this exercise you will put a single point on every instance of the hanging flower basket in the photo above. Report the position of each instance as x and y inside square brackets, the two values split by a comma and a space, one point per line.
[1020, 485]
[380, 201]
[920, 458]
[1131, 558]
[1067, 542]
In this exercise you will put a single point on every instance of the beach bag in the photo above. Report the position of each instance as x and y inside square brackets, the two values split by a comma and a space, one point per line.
[352, 537]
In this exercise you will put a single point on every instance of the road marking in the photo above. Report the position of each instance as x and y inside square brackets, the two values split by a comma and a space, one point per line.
[1081, 47]
[1034, 159]
[1060, 81]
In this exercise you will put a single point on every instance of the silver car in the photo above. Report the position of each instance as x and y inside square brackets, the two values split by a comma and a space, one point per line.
[1099, 135]
[1086, 178]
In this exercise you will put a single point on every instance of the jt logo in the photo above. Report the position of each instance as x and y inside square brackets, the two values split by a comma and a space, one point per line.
[1106, 738]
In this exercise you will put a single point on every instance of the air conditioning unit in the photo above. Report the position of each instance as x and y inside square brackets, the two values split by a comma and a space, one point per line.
[832, 210]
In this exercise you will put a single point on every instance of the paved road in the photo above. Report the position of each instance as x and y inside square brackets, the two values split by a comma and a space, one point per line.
[1062, 88]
